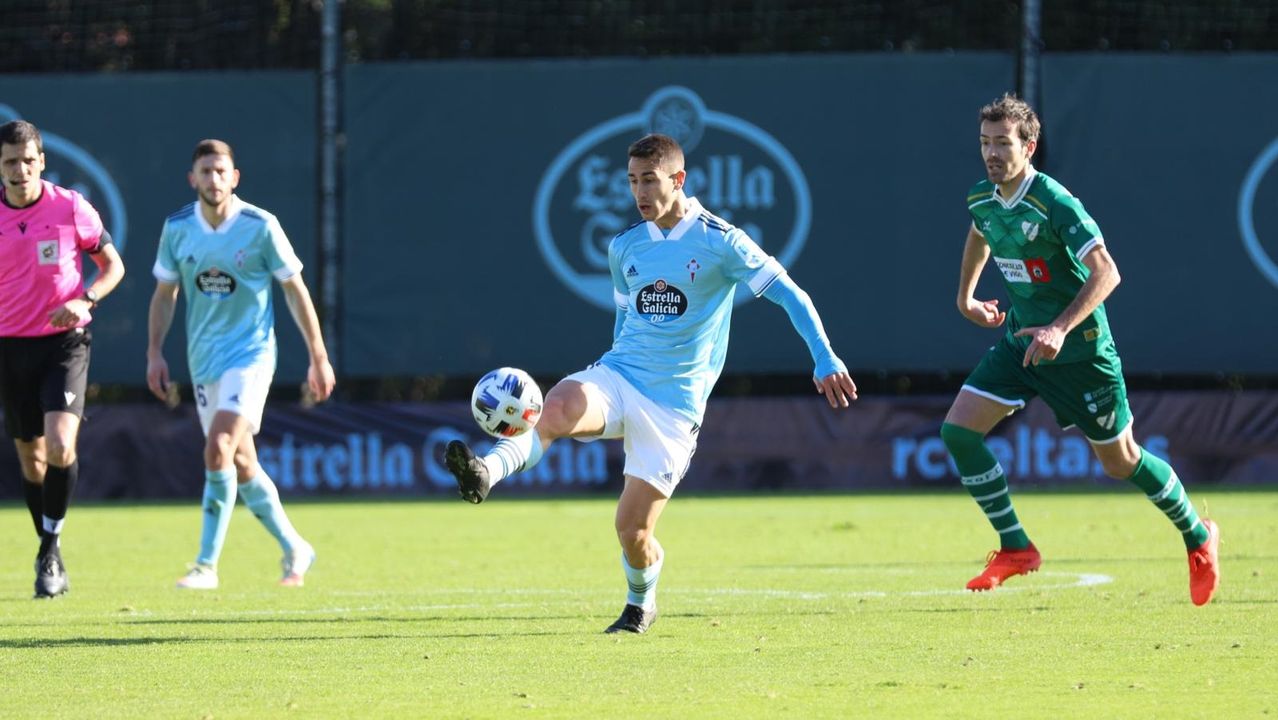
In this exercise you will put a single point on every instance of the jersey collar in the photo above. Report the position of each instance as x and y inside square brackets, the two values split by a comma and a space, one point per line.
[1009, 203]
[236, 207]
[689, 219]
[44, 191]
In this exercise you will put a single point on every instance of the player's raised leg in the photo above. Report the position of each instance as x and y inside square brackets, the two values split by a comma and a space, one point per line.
[262, 499]
[971, 417]
[571, 409]
[1123, 459]
[641, 555]
[223, 437]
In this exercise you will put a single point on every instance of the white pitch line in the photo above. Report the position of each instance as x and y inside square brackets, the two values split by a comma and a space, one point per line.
[1081, 580]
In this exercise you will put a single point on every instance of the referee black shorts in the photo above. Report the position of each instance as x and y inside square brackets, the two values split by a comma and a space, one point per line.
[40, 375]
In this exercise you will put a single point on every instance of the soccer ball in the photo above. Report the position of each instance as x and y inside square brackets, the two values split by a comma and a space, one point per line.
[506, 402]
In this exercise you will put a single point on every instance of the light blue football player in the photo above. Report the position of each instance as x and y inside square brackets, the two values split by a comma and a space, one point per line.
[674, 275]
[225, 254]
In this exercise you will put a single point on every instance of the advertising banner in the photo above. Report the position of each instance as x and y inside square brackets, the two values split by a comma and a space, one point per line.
[779, 444]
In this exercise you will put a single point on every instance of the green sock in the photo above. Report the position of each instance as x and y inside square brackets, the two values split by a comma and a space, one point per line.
[1163, 488]
[984, 479]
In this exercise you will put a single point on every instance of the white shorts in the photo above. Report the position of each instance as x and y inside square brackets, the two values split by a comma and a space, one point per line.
[241, 391]
[659, 442]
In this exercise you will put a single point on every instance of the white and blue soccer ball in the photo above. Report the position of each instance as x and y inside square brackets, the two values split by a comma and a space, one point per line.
[506, 402]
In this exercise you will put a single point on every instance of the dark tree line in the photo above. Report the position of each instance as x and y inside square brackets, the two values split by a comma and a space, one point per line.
[123, 35]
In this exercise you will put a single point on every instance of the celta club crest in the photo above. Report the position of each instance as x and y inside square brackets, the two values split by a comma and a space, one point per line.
[736, 169]
[1260, 181]
[71, 166]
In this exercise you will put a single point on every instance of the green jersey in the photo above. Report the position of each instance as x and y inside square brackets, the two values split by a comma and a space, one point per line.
[1038, 238]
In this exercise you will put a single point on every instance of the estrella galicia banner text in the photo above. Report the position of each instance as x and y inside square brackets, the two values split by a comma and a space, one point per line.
[144, 451]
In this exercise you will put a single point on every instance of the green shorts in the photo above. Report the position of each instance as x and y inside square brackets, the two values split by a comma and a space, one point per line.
[1089, 394]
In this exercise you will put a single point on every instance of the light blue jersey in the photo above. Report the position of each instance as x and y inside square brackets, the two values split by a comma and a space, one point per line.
[676, 289]
[226, 275]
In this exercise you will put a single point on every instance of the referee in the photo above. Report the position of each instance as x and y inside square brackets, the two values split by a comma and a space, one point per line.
[44, 341]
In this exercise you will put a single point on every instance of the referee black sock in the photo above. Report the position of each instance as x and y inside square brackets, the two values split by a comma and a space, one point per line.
[35, 503]
[58, 484]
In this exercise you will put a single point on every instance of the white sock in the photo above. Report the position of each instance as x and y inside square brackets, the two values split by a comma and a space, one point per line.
[512, 455]
[642, 582]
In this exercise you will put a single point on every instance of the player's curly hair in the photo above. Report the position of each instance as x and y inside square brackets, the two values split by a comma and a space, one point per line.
[662, 149]
[1010, 107]
[21, 132]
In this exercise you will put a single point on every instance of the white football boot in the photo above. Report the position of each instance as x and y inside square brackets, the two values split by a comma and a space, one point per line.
[295, 563]
[199, 577]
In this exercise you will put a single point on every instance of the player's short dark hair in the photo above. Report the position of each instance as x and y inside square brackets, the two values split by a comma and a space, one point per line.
[21, 132]
[1010, 107]
[212, 147]
[661, 149]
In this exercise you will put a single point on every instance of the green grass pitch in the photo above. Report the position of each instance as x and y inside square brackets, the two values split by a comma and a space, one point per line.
[772, 606]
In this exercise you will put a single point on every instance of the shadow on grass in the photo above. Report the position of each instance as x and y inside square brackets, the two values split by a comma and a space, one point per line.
[87, 642]
[292, 620]
[533, 617]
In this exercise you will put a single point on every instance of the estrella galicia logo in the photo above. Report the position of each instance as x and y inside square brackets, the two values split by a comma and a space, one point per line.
[735, 168]
[70, 166]
[660, 302]
[215, 284]
[1259, 181]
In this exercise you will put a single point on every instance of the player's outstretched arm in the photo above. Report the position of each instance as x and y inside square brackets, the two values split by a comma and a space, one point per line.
[982, 312]
[831, 377]
[319, 376]
[159, 319]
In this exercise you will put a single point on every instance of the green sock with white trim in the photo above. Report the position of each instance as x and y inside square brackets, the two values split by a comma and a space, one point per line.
[984, 480]
[1163, 488]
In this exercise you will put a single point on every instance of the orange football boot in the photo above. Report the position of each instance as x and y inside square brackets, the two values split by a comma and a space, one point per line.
[1204, 566]
[1003, 564]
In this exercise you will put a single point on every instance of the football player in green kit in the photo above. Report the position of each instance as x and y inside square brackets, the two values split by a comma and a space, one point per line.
[1058, 273]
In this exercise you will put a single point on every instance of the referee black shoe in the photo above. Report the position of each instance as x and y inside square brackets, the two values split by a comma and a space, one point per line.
[634, 619]
[51, 574]
[471, 474]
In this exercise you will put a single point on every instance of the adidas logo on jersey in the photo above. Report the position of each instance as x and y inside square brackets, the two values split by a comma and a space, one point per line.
[632, 272]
